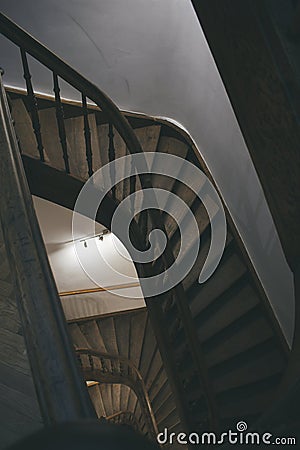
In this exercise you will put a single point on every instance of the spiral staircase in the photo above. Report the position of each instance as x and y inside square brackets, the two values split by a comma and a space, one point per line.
[197, 358]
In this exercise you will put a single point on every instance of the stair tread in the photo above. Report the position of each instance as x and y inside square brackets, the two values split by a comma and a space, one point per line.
[239, 403]
[252, 371]
[50, 138]
[76, 139]
[107, 331]
[78, 338]
[237, 304]
[23, 127]
[230, 269]
[137, 336]
[93, 336]
[97, 400]
[222, 347]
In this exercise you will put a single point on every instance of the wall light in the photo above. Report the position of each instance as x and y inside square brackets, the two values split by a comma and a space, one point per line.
[100, 236]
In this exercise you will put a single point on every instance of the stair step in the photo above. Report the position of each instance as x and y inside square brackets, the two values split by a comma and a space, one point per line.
[129, 335]
[158, 382]
[148, 137]
[78, 338]
[161, 397]
[203, 223]
[138, 330]
[76, 139]
[24, 130]
[123, 330]
[249, 400]
[154, 369]
[167, 146]
[106, 327]
[50, 138]
[92, 335]
[192, 277]
[125, 391]
[149, 350]
[170, 421]
[245, 333]
[165, 407]
[116, 397]
[187, 195]
[106, 394]
[96, 398]
[264, 366]
[225, 310]
[230, 269]
[132, 400]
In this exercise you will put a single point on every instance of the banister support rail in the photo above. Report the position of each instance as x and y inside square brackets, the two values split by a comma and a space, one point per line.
[113, 115]
[60, 389]
[108, 368]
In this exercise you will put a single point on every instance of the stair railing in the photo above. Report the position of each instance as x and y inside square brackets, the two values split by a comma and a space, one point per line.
[30, 46]
[124, 418]
[107, 368]
[60, 389]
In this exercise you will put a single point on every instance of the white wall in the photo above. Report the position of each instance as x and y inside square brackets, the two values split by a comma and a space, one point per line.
[56, 226]
[151, 56]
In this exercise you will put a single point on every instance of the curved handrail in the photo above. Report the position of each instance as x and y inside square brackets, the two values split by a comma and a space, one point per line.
[118, 369]
[125, 417]
[40, 52]
[60, 68]
[61, 396]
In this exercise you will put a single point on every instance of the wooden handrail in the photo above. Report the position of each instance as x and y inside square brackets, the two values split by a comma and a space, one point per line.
[41, 53]
[116, 373]
[88, 90]
[125, 417]
[60, 390]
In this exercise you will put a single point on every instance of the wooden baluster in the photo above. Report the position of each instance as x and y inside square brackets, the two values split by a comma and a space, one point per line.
[111, 157]
[60, 122]
[33, 106]
[91, 361]
[79, 360]
[103, 365]
[143, 224]
[87, 137]
[132, 189]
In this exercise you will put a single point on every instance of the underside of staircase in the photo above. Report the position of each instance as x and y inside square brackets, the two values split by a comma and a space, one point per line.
[19, 410]
[127, 335]
[199, 357]
[238, 348]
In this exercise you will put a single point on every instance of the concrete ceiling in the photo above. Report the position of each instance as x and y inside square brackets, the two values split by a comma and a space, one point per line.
[151, 56]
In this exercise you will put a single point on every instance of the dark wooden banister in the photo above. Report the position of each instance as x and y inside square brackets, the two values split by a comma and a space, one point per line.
[30, 45]
[60, 389]
[133, 379]
[41, 53]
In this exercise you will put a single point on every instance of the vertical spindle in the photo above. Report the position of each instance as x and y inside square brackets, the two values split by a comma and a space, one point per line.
[33, 106]
[132, 190]
[111, 157]
[87, 137]
[60, 122]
